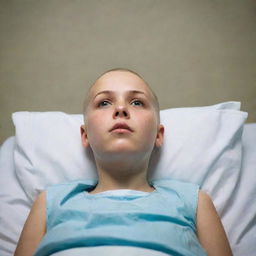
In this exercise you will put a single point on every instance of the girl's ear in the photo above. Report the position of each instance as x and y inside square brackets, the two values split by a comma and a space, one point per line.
[84, 137]
[160, 136]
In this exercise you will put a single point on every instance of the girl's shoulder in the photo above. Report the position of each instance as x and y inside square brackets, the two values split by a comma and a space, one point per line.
[62, 191]
[186, 192]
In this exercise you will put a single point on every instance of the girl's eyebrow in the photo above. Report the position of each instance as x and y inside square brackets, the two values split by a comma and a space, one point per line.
[127, 92]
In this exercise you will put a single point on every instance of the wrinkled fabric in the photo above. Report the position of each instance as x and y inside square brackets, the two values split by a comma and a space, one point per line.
[163, 220]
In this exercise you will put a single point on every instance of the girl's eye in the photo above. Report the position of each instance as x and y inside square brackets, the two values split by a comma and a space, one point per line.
[137, 103]
[103, 103]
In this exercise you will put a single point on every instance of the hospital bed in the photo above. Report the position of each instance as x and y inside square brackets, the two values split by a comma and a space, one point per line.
[208, 145]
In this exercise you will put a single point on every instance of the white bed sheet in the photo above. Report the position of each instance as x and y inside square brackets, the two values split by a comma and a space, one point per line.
[14, 204]
[240, 225]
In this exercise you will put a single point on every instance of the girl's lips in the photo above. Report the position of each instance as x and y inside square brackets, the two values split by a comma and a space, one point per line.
[121, 127]
[121, 130]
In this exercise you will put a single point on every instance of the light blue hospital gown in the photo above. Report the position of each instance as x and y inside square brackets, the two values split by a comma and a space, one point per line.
[163, 220]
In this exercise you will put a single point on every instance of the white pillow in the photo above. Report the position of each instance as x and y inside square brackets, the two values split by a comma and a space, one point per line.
[202, 145]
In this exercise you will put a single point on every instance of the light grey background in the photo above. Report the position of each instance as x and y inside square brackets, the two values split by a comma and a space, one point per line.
[192, 53]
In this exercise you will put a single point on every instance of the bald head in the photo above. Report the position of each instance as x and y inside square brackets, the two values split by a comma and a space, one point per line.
[109, 74]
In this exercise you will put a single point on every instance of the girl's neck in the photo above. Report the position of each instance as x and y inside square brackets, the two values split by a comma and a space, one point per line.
[122, 179]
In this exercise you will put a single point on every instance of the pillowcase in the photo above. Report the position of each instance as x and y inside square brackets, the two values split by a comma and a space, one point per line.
[201, 145]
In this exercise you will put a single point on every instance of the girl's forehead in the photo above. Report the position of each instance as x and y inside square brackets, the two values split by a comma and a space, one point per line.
[120, 90]
[119, 83]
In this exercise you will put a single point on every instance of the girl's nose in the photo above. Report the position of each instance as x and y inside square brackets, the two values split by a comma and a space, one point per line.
[121, 111]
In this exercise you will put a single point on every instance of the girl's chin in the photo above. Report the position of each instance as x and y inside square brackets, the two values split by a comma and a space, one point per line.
[122, 151]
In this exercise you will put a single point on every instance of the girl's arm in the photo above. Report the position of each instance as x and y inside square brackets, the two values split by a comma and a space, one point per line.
[210, 231]
[34, 228]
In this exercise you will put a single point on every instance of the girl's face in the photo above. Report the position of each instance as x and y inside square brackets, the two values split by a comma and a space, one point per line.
[121, 117]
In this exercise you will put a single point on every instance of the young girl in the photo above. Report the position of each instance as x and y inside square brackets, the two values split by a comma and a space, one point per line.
[123, 208]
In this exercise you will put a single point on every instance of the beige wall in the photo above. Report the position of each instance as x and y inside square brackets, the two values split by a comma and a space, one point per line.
[193, 53]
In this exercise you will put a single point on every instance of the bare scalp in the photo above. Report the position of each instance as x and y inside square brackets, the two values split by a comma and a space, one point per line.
[154, 97]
